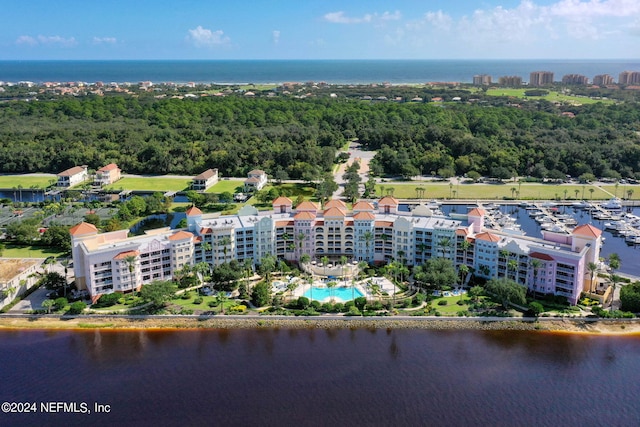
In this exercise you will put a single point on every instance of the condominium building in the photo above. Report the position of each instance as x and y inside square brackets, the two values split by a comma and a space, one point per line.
[575, 79]
[602, 80]
[481, 80]
[375, 232]
[629, 78]
[541, 78]
[510, 81]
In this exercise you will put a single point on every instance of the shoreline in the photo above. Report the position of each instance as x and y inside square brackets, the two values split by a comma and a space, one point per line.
[599, 327]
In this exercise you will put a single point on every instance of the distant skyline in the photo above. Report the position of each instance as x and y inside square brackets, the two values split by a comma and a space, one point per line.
[315, 29]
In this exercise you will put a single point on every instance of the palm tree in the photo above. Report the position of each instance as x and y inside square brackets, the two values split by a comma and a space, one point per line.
[593, 268]
[291, 286]
[300, 237]
[200, 269]
[204, 248]
[465, 245]
[368, 236]
[614, 278]
[267, 264]
[224, 242]
[325, 261]
[221, 297]
[591, 190]
[463, 270]
[535, 265]
[130, 260]
[512, 265]
[286, 237]
[614, 264]
[629, 194]
[310, 282]
[444, 244]
[576, 191]
[48, 303]
[331, 285]
[343, 262]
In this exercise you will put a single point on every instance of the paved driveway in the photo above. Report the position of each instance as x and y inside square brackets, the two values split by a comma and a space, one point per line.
[32, 302]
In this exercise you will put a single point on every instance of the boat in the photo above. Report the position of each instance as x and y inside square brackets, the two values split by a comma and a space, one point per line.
[613, 204]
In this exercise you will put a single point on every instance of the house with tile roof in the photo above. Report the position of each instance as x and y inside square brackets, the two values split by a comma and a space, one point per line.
[72, 176]
[255, 181]
[107, 175]
[205, 180]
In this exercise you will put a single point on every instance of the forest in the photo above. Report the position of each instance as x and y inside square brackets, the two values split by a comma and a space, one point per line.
[300, 138]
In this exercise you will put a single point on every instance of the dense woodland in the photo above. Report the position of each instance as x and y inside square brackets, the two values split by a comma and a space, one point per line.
[299, 138]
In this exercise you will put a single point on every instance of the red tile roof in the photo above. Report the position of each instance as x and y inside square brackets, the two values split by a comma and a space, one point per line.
[304, 216]
[181, 235]
[587, 230]
[487, 237]
[207, 174]
[193, 211]
[123, 255]
[307, 206]
[279, 201]
[334, 203]
[477, 212]
[83, 228]
[107, 168]
[364, 216]
[388, 201]
[334, 212]
[362, 206]
[384, 223]
[72, 171]
[539, 255]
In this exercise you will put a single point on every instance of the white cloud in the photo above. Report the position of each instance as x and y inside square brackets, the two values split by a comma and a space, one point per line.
[203, 37]
[104, 40]
[47, 41]
[27, 40]
[275, 34]
[340, 17]
[595, 8]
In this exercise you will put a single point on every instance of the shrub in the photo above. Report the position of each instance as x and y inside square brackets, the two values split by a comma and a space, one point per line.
[419, 298]
[77, 307]
[535, 308]
[442, 302]
[186, 295]
[198, 300]
[315, 305]
[60, 303]
[239, 308]
[212, 303]
[360, 302]
[326, 307]
[107, 300]
[338, 307]
[353, 311]
[303, 303]
[376, 305]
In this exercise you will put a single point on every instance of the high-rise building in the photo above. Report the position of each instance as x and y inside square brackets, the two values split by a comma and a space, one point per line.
[602, 80]
[575, 79]
[629, 78]
[481, 80]
[541, 78]
[511, 81]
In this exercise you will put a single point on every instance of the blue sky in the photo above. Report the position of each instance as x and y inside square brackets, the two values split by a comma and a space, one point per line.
[320, 29]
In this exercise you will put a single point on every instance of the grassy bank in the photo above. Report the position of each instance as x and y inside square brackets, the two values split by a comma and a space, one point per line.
[617, 327]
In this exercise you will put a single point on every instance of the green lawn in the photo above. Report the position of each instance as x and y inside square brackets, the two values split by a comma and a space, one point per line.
[13, 251]
[188, 303]
[26, 181]
[553, 96]
[150, 183]
[227, 186]
[452, 308]
[530, 191]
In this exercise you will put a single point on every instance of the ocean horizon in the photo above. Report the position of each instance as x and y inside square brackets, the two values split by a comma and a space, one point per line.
[334, 71]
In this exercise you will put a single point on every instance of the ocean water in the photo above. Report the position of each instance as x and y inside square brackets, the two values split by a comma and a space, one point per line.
[278, 71]
[318, 377]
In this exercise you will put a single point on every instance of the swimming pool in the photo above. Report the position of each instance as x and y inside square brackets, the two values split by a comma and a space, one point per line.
[338, 294]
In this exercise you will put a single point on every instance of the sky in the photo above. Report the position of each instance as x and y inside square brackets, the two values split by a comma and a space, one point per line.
[320, 29]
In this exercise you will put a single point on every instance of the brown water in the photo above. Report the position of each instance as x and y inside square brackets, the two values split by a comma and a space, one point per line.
[323, 377]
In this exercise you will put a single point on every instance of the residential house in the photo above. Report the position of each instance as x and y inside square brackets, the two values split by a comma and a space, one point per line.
[205, 180]
[256, 181]
[107, 175]
[72, 176]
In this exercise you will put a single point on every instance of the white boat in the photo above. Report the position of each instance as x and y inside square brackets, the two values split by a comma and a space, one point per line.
[613, 204]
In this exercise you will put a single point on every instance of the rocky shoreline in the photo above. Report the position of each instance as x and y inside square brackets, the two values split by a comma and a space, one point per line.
[616, 327]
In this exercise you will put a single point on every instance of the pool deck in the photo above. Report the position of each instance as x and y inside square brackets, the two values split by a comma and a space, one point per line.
[362, 286]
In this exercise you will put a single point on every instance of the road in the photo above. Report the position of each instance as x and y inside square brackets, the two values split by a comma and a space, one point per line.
[363, 156]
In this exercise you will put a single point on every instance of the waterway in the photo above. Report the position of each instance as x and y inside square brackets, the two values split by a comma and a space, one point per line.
[314, 377]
